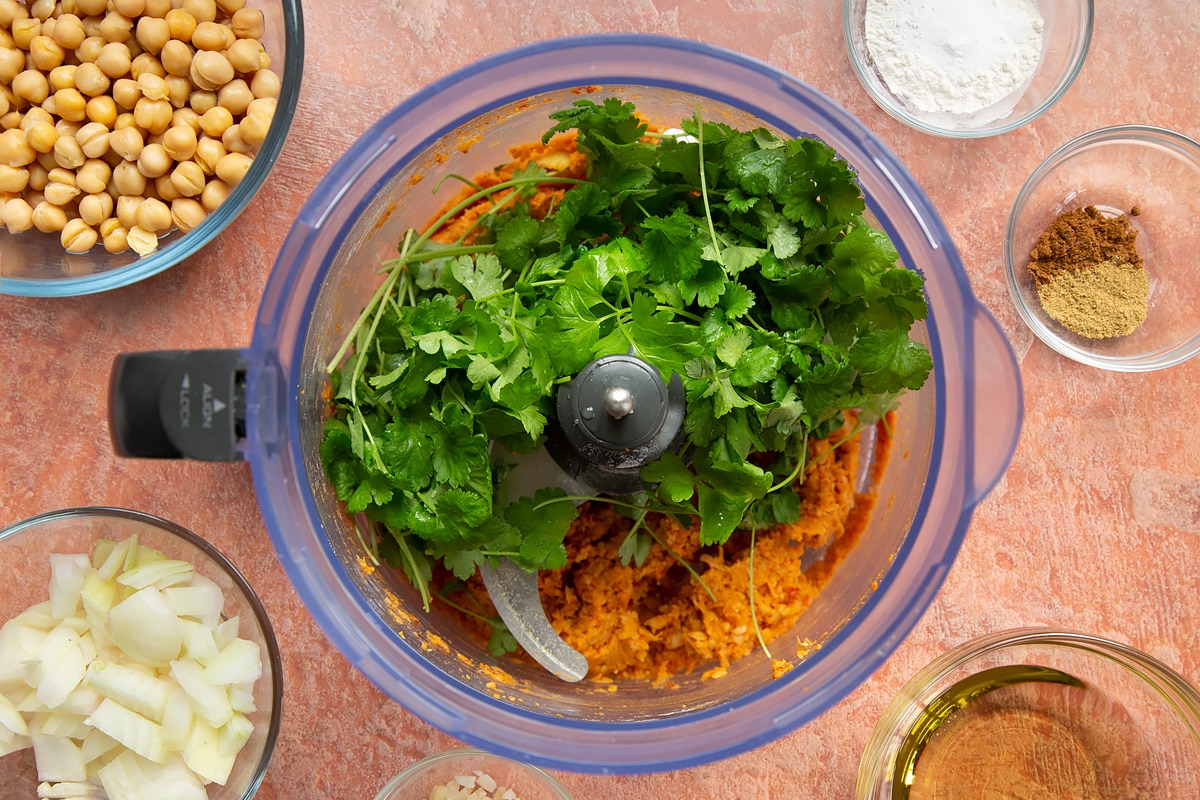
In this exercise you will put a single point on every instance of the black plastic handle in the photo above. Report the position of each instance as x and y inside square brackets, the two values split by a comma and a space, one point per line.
[178, 404]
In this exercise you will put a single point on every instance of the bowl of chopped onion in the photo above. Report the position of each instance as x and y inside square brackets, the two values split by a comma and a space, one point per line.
[470, 774]
[132, 133]
[135, 662]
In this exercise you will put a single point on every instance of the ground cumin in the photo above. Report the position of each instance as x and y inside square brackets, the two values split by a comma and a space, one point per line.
[1088, 274]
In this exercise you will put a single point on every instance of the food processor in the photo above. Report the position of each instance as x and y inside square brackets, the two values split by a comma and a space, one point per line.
[269, 401]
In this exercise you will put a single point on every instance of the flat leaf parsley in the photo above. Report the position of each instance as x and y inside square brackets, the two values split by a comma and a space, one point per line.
[737, 259]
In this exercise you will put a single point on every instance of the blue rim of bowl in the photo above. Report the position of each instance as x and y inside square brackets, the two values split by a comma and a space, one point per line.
[450, 756]
[289, 510]
[239, 580]
[180, 247]
[1161, 360]
[889, 104]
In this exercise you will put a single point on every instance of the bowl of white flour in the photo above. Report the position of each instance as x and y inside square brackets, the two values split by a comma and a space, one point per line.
[967, 68]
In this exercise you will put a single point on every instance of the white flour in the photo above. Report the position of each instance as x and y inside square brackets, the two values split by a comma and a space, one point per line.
[955, 56]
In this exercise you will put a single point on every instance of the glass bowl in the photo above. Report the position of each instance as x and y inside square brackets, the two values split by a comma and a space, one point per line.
[1116, 722]
[527, 782]
[25, 549]
[34, 263]
[1066, 36]
[1116, 170]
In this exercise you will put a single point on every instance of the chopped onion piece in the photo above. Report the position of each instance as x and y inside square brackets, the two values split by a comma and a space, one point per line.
[56, 666]
[70, 790]
[128, 777]
[146, 629]
[238, 662]
[210, 702]
[177, 719]
[58, 758]
[131, 729]
[234, 734]
[135, 690]
[160, 574]
[203, 754]
[66, 582]
[11, 719]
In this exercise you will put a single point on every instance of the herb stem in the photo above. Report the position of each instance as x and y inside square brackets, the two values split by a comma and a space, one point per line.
[762, 642]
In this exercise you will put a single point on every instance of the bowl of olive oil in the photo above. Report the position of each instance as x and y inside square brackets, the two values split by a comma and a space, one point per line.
[1037, 713]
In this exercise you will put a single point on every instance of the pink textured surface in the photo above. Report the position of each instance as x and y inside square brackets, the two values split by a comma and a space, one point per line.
[1096, 525]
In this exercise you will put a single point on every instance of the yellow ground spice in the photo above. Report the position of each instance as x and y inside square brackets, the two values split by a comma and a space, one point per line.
[1088, 274]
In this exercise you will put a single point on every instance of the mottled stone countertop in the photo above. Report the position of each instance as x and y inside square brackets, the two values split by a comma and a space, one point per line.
[1095, 526]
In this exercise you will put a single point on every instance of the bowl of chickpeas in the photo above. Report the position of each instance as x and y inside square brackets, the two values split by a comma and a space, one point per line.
[132, 132]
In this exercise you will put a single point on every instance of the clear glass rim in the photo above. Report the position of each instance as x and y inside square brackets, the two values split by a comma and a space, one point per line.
[930, 681]
[239, 580]
[888, 103]
[178, 248]
[450, 756]
[1173, 356]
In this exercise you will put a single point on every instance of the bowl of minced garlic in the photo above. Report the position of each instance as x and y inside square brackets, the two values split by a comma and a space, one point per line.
[1100, 249]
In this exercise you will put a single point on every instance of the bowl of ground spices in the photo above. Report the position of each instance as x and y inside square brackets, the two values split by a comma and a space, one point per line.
[1100, 249]
[967, 69]
[1036, 712]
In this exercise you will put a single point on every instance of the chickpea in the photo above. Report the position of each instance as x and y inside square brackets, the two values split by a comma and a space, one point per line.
[41, 136]
[39, 176]
[216, 121]
[126, 120]
[234, 142]
[202, 10]
[78, 237]
[45, 53]
[254, 128]
[11, 10]
[93, 176]
[187, 213]
[10, 120]
[62, 77]
[152, 33]
[211, 70]
[188, 178]
[153, 116]
[67, 127]
[70, 105]
[233, 167]
[130, 8]
[93, 139]
[91, 80]
[5, 103]
[152, 86]
[102, 110]
[13, 150]
[209, 36]
[61, 194]
[265, 83]
[263, 105]
[90, 8]
[209, 151]
[127, 207]
[42, 9]
[179, 91]
[235, 96]
[114, 60]
[15, 179]
[31, 86]
[49, 160]
[153, 161]
[180, 142]
[127, 143]
[91, 25]
[95, 208]
[228, 7]
[18, 215]
[142, 241]
[115, 240]
[144, 63]
[116, 27]
[187, 117]
[49, 106]
[202, 101]
[69, 32]
[126, 93]
[12, 62]
[157, 8]
[247, 23]
[176, 58]
[181, 24]
[68, 153]
[89, 51]
[165, 190]
[24, 31]
[246, 55]
[49, 218]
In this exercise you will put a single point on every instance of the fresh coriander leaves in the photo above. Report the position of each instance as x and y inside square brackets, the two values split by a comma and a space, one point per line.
[737, 259]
